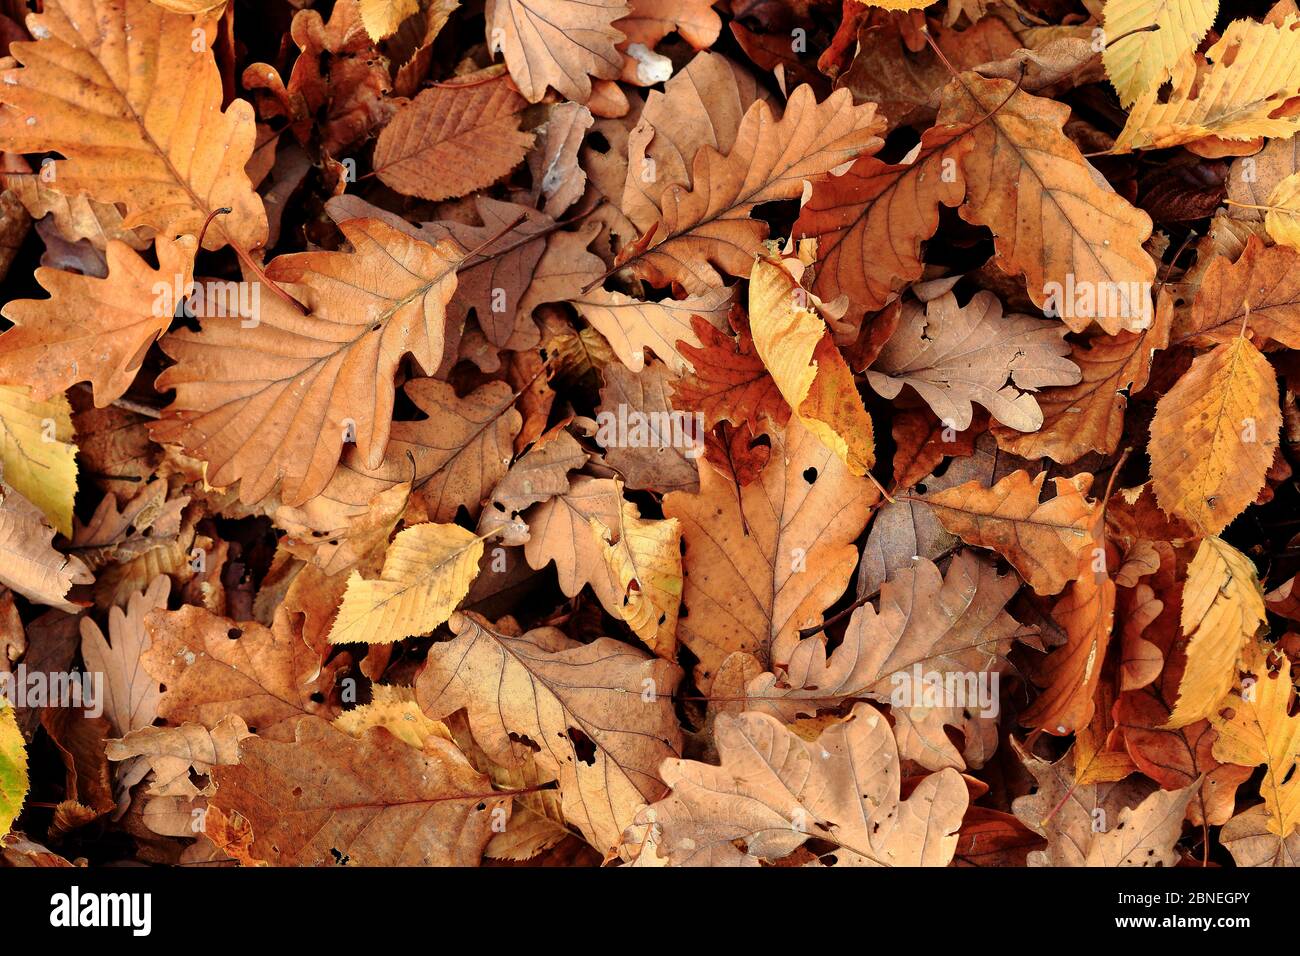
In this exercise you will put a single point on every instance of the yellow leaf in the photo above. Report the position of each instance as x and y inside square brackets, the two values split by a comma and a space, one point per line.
[1255, 70]
[191, 6]
[1142, 61]
[1214, 435]
[646, 561]
[37, 457]
[427, 571]
[895, 4]
[1223, 607]
[1261, 731]
[13, 769]
[382, 17]
[797, 348]
[1282, 219]
[395, 709]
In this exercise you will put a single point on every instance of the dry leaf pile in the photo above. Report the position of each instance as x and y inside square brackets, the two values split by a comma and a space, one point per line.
[645, 433]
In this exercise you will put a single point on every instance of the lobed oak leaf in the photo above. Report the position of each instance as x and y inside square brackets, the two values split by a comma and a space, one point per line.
[270, 399]
[646, 439]
[929, 631]
[1089, 416]
[1121, 824]
[709, 227]
[1260, 289]
[954, 356]
[761, 564]
[213, 667]
[631, 325]
[597, 717]
[1049, 543]
[775, 791]
[870, 222]
[1259, 729]
[174, 752]
[557, 43]
[1054, 220]
[541, 473]
[161, 143]
[58, 341]
[31, 566]
[75, 216]
[727, 380]
[702, 105]
[130, 696]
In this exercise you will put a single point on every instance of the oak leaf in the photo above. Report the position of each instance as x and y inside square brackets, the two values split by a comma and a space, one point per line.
[30, 565]
[557, 43]
[582, 711]
[727, 380]
[1049, 543]
[1121, 824]
[1261, 730]
[1089, 416]
[295, 387]
[929, 630]
[775, 791]
[870, 222]
[632, 325]
[760, 567]
[93, 329]
[1052, 219]
[954, 356]
[160, 143]
[709, 227]
[213, 667]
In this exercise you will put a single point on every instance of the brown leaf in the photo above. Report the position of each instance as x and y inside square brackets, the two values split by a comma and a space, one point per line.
[324, 798]
[453, 138]
[954, 356]
[1052, 220]
[300, 385]
[1049, 543]
[566, 705]
[760, 568]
